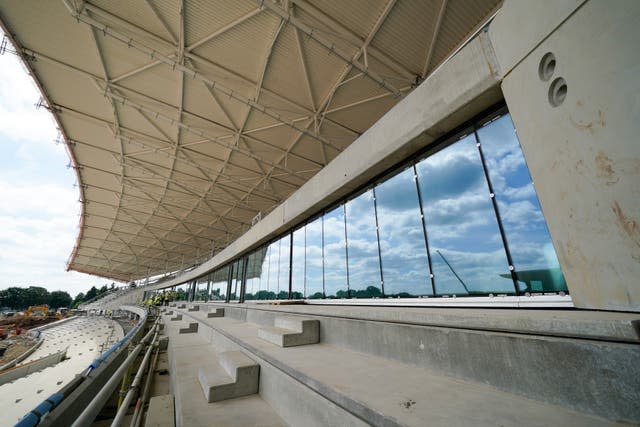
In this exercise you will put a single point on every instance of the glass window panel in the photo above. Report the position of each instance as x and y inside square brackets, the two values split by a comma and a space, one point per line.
[314, 275]
[282, 289]
[274, 271]
[529, 241]
[201, 290]
[263, 289]
[269, 279]
[236, 279]
[467, 253]
[335, 255]
[298, 265]
[362, 247]
[218, 290]
[254, 273]
[405, 265]
[181, 293]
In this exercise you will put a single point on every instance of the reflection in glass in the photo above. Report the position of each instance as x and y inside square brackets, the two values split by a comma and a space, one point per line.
[362, 246]
[201, 290]
[282, 290]
[314, 274]
[270, 291]
[219, 282]
[532, 252]
[335, 255]
[298, 264]
[405, 266]
[262, 292]
[254, 273]
[236, 279]
[181, 293]
[467, 254]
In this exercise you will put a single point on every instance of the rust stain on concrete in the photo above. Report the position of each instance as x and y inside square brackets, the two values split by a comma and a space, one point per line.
[591, 125]
[604, 166]
[627, 225]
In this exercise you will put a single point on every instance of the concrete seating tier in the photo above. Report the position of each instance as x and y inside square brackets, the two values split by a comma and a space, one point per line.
[292, 331]
[194, 308]
[177, 317]
[386, 372]
[240, 377]
[188, 355]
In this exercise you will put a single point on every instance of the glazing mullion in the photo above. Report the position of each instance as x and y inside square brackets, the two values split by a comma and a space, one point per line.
[494, 203]
[375, 212]
[229, 279]
[304, 282]
[346, 247]
[243, 280]
[424, 229]
[290, 264]
[324, 293]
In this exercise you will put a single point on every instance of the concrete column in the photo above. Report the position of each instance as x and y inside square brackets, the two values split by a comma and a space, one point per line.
[578, 121]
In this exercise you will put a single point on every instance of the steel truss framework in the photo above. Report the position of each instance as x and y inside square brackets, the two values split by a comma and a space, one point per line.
[184, 120]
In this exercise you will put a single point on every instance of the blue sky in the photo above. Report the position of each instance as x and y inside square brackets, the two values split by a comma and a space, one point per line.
[39, 209]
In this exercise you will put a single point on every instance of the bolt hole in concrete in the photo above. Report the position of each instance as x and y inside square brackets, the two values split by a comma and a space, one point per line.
[557, 92]
[547, 66]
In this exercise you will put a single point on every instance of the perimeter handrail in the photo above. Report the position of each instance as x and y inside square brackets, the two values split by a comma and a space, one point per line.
[91, 411]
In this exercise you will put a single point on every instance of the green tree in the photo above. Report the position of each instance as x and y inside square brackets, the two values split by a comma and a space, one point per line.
[59, 299]
[79, 299]
[36, 295]
[103, 290]
[93, 292]
[13, 298]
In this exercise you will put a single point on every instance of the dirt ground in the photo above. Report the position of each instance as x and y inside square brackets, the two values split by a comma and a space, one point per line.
[15, 347]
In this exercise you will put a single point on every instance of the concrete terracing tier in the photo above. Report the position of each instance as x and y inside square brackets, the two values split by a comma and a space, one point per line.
[83, 337]
[398, 366]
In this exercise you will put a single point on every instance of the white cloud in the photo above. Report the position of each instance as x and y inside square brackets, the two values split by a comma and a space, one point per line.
[39, 208]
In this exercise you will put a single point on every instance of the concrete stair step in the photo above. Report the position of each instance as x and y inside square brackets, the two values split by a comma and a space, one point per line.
[187, 355]
[291, 331]
[238, 377]
[176, 318]
[190, 329]
[217, 312]
[194, 308]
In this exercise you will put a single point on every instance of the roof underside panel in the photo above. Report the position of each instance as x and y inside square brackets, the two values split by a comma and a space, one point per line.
[186, 119]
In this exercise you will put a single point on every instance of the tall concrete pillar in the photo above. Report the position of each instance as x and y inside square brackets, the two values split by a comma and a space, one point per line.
[571, 81]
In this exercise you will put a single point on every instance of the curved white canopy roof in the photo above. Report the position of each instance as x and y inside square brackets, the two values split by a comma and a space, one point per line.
[187, 119]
